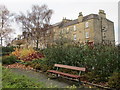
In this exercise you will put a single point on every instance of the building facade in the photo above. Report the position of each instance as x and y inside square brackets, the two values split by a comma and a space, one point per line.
[93, 28]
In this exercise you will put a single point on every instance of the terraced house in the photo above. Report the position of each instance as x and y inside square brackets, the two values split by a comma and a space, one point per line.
[93, 28]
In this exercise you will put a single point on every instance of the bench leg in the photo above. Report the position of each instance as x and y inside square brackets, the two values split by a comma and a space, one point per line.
[57, 75]
[79, 82]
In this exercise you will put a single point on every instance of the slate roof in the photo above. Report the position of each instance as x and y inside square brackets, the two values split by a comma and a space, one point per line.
[91, 16]
[72, 22]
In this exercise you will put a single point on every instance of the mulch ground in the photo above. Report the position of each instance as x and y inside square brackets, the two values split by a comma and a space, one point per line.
[18, 65]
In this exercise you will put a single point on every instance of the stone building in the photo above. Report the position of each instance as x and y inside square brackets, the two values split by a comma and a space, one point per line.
[93, 28]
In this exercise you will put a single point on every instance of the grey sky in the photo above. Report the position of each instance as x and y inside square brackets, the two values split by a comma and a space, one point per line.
[69, 8]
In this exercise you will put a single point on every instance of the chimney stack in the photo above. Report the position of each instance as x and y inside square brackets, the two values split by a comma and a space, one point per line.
[102, 14]
[80, 17]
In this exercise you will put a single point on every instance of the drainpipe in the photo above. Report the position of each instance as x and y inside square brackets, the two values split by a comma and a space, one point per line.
[101, 31]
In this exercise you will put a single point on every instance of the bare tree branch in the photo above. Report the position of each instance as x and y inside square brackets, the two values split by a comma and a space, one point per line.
[5, 23]
[36, 21]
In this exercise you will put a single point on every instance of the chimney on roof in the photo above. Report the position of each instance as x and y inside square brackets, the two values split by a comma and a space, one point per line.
[102, 14]
[65, 20]
[80, 17]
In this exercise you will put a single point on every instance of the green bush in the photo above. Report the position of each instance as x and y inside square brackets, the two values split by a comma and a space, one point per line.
[64, 55]
[7, 50]
[114, 81]
[102, 59]
[9, 59]
[39, 64]
[12, 80]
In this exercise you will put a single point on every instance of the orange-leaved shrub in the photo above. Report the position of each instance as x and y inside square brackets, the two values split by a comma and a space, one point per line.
[27, 54]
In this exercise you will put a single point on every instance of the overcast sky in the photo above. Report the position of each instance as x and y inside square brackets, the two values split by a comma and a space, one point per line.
[68, 8]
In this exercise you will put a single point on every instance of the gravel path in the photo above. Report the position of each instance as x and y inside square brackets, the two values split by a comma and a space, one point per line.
[59, 82]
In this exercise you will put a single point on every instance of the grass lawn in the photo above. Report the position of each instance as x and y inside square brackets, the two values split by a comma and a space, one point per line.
[13, 80]
[0, 61]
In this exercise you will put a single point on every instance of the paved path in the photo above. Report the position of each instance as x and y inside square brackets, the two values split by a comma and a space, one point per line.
[59, 82]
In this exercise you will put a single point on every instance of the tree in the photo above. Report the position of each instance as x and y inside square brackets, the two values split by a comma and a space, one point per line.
[35, 22]
[5, 27]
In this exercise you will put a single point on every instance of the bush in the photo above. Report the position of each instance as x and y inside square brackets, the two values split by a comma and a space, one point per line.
[33, 56]
[27, 54]
[9, 59]
[114, 81]
[21, 53]
[63, 55]
[7, 50]
[39, 64]
[102, 59]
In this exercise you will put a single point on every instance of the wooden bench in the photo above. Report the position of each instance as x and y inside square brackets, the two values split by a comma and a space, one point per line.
[58, 73]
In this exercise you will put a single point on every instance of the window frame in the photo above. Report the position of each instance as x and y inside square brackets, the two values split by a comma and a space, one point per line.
[75, 37]
[67, 30]
[74, 27]
[87, 35]
[86, 24]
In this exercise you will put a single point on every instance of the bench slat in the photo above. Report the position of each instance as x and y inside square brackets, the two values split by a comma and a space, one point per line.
[70, 67]
[64, 74]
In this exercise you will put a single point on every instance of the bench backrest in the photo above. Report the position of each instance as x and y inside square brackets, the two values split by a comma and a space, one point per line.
[70, 67]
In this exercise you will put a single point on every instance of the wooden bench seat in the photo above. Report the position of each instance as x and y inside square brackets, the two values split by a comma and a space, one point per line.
[64, 74]
[67, 74]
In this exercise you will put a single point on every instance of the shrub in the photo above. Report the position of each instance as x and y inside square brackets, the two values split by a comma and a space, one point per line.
[21, 53]
[102, 59]
[63, 55]
[7, 50]
[39, 64]
[32, 56]
[114, 81]
[27, 54]
[9, 59]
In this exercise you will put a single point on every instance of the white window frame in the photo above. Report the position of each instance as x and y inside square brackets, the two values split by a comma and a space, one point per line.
[67, 30]
[75, 37]
[86, 24]
[74, 28]
[87, 35]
